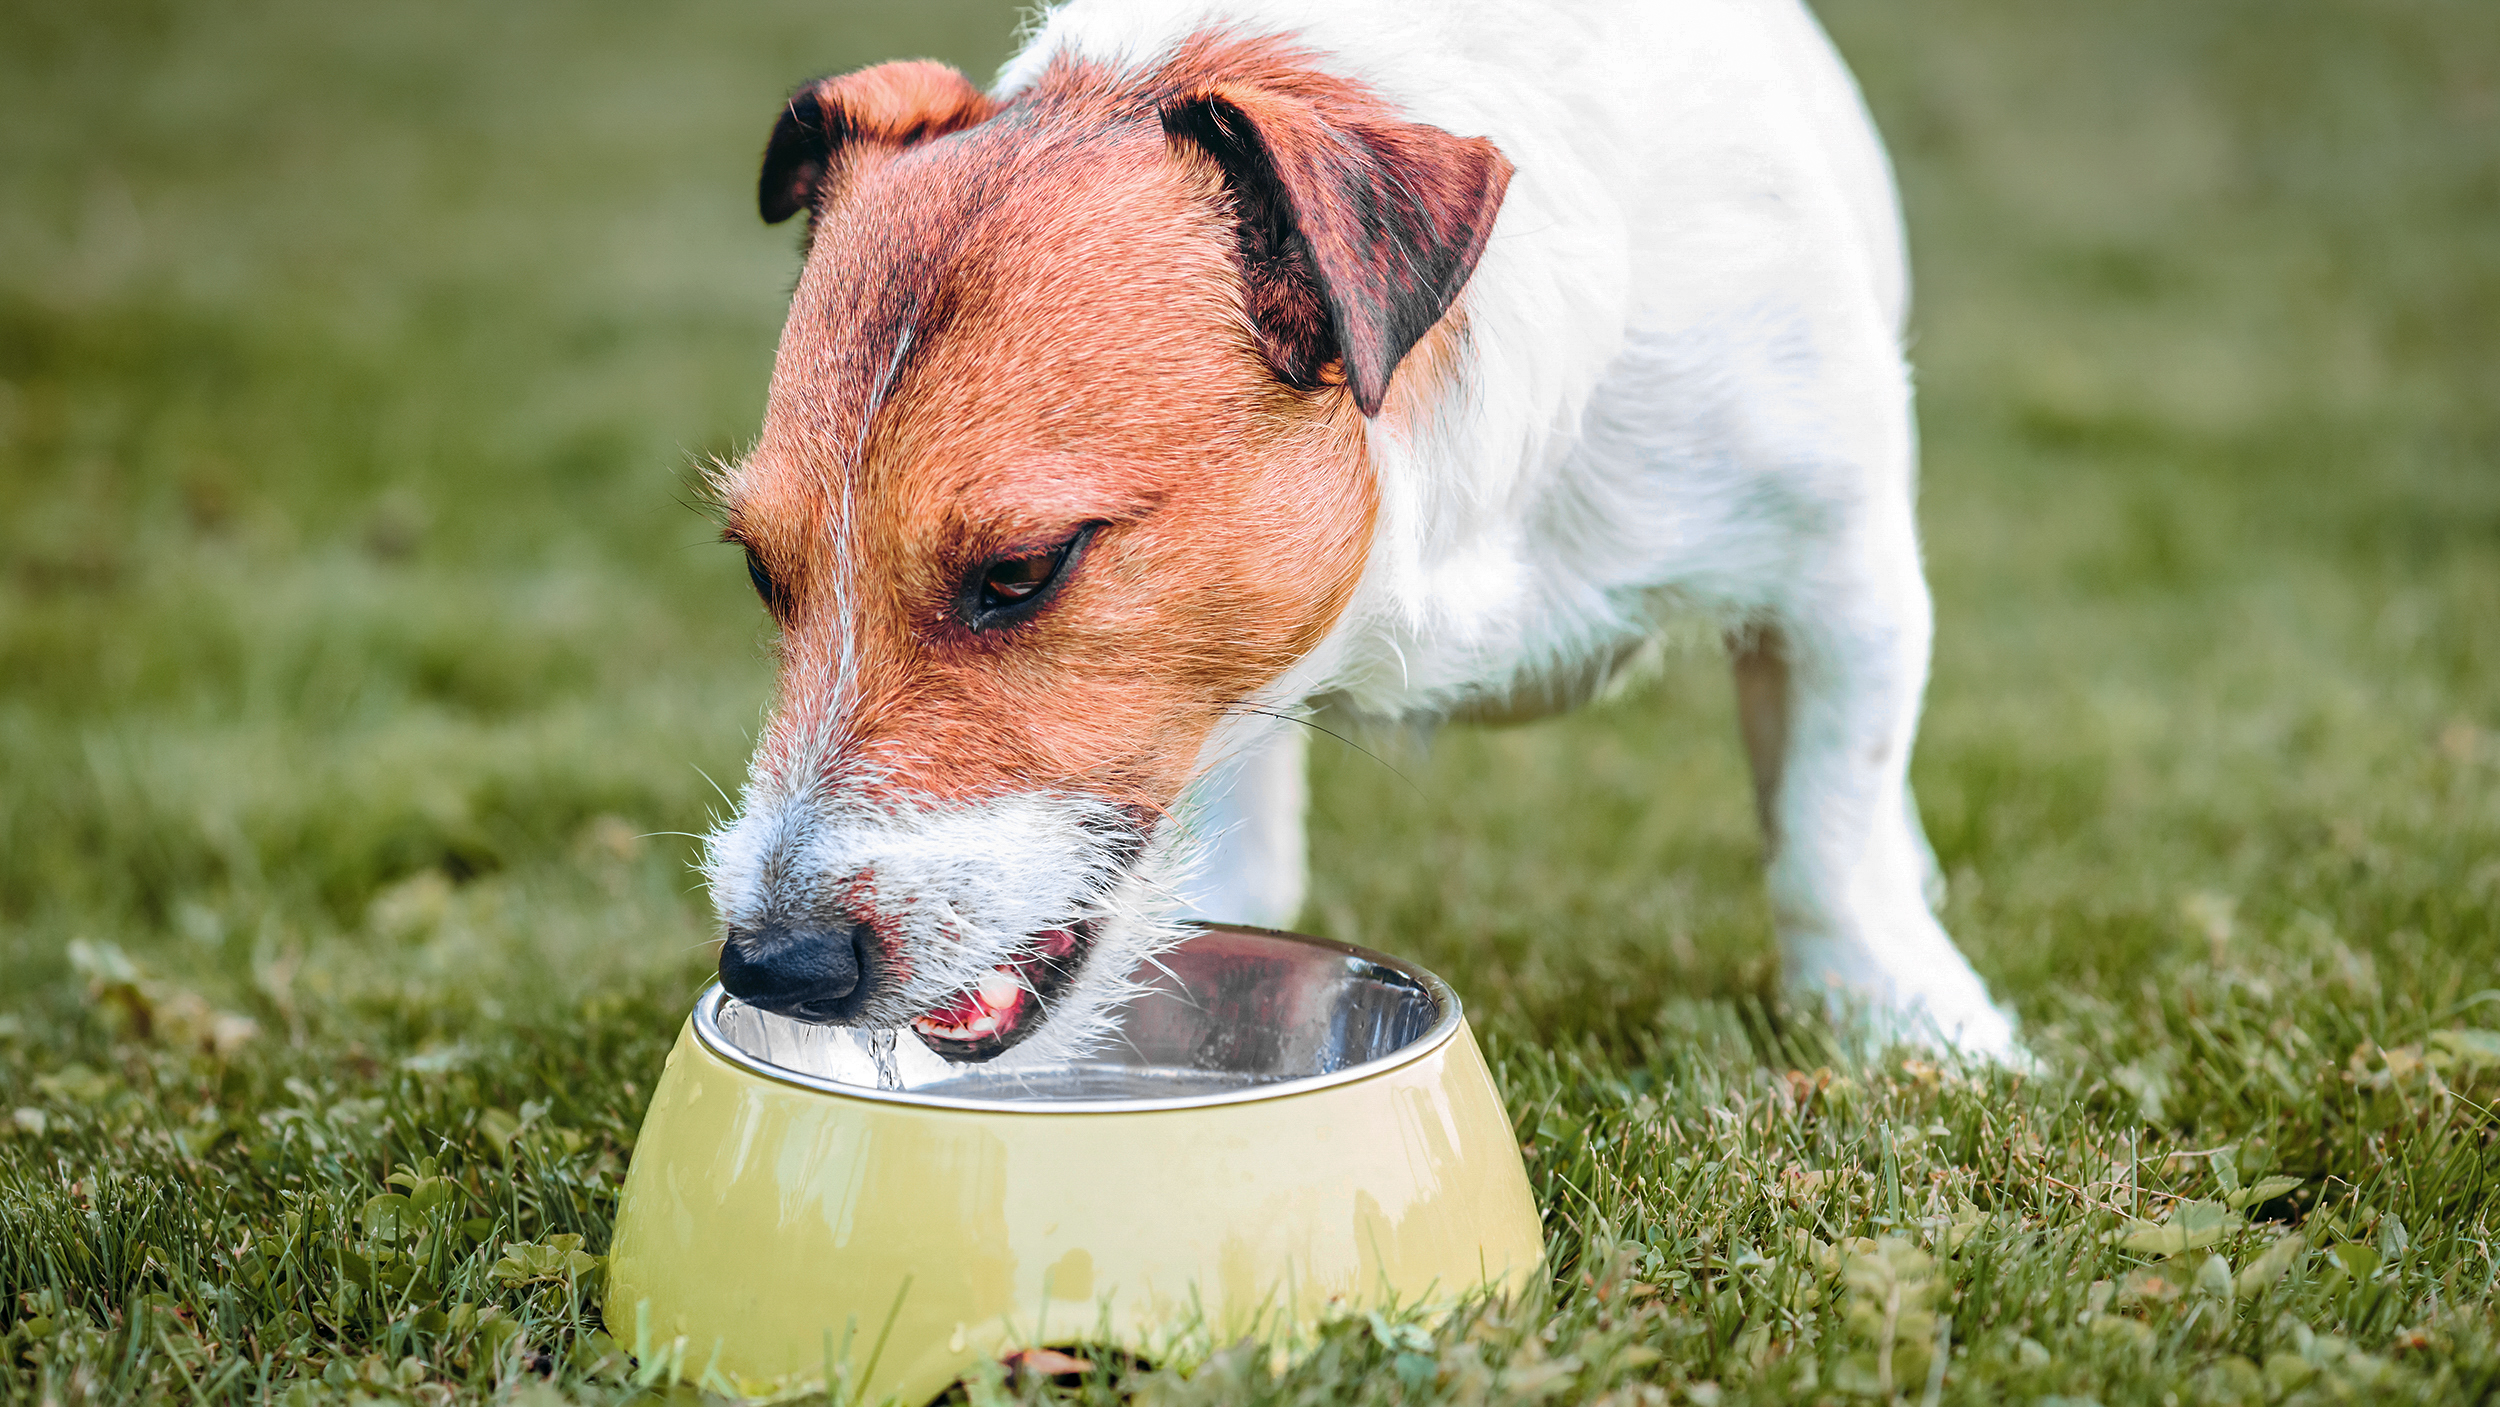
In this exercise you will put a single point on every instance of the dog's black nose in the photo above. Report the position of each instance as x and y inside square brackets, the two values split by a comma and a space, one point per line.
[811, 974]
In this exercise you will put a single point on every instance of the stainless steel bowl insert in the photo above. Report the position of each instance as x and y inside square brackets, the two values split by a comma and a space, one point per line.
[1231, 1014]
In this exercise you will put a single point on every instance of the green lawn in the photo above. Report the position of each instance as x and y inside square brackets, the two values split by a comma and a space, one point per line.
[360, 657]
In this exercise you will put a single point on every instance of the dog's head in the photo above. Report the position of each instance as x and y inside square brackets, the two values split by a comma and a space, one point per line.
[1063, 461]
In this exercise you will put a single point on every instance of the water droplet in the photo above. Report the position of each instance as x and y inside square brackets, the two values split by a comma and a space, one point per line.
[881, 1050]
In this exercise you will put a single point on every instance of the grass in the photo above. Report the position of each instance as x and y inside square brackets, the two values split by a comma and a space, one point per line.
[357, 660]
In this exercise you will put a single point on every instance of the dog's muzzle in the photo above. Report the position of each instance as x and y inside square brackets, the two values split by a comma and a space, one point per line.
[973, 924]
[810, 974]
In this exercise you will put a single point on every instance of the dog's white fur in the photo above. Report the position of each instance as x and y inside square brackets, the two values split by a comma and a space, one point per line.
[963, 887]
[1681, 385]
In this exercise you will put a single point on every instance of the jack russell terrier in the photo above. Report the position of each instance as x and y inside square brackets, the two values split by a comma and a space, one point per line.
[1231, 358]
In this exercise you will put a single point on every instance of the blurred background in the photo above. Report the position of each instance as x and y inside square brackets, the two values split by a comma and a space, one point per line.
[363, 662]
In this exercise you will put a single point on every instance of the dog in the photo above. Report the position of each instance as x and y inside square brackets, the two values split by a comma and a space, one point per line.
[1234, 359]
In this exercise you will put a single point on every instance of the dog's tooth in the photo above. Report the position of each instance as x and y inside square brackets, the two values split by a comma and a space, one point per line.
[999, 990]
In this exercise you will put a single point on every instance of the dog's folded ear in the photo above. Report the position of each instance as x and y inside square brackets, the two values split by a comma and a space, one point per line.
[1357, 233]
[894, 104]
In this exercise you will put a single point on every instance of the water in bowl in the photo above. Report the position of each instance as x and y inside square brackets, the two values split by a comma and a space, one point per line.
[1229, 1010]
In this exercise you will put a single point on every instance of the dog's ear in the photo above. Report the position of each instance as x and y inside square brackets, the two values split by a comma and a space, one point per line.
[894, 104]
[1356, 235]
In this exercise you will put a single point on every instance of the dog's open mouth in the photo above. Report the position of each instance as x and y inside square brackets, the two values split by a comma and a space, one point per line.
[1011, 1001]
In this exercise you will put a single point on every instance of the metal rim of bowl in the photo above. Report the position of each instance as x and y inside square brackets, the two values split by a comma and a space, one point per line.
[1445, 1025]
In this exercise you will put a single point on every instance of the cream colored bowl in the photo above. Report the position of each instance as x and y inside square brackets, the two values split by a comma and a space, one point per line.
[1284, 1129]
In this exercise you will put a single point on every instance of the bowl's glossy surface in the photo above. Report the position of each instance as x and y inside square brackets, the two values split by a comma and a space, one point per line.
[1282, 1128]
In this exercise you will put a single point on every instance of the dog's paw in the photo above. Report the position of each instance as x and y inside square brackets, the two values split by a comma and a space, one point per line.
[1913, 988]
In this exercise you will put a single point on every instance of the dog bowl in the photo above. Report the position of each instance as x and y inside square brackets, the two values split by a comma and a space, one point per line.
[1281, 1129]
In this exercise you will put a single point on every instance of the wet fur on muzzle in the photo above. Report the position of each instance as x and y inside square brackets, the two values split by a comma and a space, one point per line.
[955, 889]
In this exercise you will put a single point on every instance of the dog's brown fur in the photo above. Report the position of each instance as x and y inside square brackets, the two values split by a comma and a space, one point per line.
[1015, 322]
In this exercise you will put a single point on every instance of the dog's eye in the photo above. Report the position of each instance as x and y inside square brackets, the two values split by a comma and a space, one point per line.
[1008, 589]
[1017, 578]
[765, 587]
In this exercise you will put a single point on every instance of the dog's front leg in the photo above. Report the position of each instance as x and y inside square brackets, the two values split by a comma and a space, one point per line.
[1244, 822]
[1828, 695]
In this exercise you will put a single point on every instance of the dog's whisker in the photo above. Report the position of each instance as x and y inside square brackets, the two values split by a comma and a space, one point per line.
[1288, 717]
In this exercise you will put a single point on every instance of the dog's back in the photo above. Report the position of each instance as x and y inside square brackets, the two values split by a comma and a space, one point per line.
[1643, 132]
